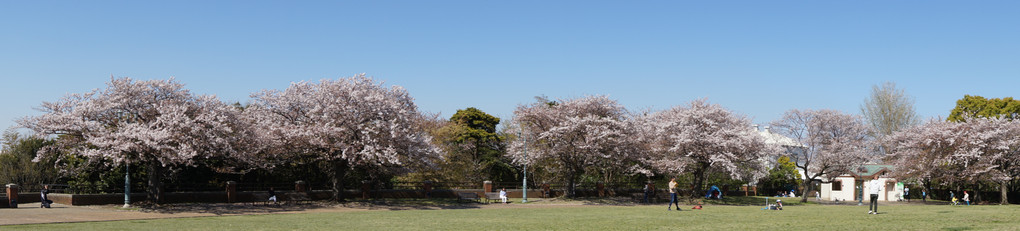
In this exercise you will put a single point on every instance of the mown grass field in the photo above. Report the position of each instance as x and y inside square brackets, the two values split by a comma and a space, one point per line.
[595, 217]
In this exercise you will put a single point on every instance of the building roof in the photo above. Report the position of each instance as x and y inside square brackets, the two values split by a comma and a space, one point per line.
[870, 170]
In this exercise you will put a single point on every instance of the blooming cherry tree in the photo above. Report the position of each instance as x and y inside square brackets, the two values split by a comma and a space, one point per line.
[156, 123]
[925, 152]
[349, 123]
[575, 134]
[702, 137]
[834, 142]
[972, 150]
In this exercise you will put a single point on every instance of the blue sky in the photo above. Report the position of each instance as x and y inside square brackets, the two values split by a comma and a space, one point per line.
[758, 58]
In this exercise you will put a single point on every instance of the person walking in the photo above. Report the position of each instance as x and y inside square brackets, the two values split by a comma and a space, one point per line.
[906, 194]
[924, 196]
[648, 190]
[875, 188]
[672, 195]
[966, 197]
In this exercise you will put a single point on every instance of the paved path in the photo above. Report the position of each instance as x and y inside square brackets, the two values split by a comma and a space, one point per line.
[31, 213]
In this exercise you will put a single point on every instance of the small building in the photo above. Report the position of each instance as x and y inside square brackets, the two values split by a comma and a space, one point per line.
[847, 187]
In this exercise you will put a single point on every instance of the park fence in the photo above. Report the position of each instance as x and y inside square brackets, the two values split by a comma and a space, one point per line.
[234, 192]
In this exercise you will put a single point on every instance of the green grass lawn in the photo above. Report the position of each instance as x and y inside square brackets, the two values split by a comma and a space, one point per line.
[588, 217]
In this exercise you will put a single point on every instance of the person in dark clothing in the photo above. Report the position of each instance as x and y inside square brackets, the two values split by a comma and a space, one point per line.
[44, 197]
[272, 195]
[648, 191]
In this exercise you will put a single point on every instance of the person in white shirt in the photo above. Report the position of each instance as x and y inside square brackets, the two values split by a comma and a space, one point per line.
[502, 195]
[876, 187]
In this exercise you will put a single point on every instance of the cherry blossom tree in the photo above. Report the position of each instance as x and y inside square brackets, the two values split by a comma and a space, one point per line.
[346, 124]
[973, 150]
[996, 144]
[924, 152]
[155, 123]
[833, 142]
[701, 137]
[574, 134]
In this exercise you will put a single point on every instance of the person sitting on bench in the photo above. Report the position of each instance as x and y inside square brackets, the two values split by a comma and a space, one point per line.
[502, 195]
[272, 195]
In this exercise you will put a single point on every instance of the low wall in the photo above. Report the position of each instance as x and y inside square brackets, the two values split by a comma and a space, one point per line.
[256, 196]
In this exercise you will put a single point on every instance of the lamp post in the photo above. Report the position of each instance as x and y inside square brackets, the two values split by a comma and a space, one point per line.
[127, 185]
[525, 182]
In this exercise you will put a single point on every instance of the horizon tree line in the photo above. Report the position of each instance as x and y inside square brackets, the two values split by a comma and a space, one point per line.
[358, 128]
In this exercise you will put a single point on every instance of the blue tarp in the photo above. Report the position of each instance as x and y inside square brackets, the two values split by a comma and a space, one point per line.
[714, 193]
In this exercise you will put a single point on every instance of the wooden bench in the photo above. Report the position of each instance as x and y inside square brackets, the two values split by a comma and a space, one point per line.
[257, 197]
[652, 198]
[296, 197]
[492, 196]
[468, 196]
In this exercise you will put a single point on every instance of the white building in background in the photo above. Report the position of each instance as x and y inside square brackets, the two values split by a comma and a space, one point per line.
[793, 148]
[843, 187]
[847, 187]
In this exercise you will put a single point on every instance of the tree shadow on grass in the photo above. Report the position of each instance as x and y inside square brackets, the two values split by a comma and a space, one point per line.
[261, 208]
[227, 208]
[411, 204]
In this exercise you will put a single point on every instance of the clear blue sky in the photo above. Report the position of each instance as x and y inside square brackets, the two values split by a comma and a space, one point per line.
[759, 58]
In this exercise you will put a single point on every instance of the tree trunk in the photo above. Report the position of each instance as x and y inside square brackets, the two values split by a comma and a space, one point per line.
[570, 184]
[807, 188]
[338, 168]
[699, 179]
[1004, 189]
[154, 191]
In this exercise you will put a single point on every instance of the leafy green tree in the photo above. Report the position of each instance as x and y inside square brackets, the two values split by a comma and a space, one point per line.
[977, 106]
[783, 176]
[473, 148]
[16, 165]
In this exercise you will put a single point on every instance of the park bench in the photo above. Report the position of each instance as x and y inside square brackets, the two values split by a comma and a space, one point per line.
[468, 196]
[492, 196]
[298, 197]
[262, 197]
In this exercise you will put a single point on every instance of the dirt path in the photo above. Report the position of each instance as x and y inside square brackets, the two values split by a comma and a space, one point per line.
[32, 214]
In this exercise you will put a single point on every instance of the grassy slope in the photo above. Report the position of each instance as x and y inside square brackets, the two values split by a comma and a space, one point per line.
[819, 217]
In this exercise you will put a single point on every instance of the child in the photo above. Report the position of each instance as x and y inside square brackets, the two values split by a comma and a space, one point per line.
[954, 201]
